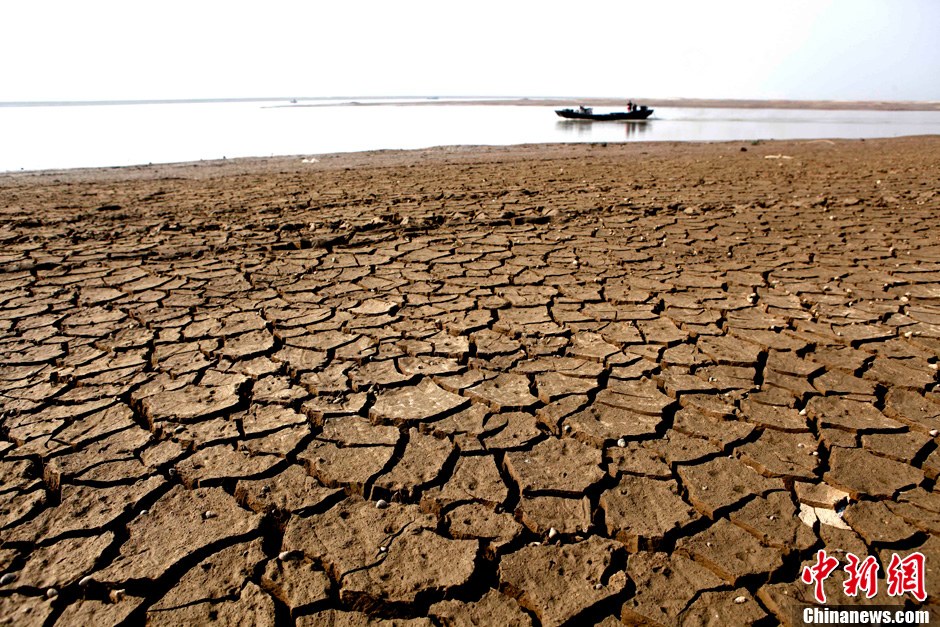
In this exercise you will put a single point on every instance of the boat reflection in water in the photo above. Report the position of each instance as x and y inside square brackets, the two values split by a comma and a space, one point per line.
[605, 132]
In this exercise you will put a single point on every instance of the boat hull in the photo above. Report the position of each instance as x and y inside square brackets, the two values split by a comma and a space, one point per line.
[574, 114]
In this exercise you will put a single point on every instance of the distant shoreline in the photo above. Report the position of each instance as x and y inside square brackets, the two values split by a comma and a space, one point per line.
[837, 105]
[818, 105]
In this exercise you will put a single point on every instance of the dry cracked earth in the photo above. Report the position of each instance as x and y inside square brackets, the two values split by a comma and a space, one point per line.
[636, 384]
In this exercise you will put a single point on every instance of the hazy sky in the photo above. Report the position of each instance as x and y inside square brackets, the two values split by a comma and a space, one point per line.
[800, 49]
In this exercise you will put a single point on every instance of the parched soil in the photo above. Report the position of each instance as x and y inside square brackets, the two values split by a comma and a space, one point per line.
[555, 385]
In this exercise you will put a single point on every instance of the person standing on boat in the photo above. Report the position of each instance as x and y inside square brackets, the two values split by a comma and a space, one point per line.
[629, 105]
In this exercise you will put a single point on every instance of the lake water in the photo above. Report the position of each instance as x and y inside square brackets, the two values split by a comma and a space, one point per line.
[46, 137]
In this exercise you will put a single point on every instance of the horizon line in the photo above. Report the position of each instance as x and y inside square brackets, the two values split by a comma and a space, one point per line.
[297, 99]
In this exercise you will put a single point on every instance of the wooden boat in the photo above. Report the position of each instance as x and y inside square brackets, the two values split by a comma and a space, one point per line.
[638, 112]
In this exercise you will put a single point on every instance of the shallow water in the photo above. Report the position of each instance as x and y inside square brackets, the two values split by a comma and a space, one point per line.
[44, 137]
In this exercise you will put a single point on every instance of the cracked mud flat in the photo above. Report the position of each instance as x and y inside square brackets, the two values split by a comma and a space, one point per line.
[540, 385]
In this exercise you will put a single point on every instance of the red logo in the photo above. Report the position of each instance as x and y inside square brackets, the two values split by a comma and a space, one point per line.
[907, 575]
[903, 575]
[818, 573]
[863, 575]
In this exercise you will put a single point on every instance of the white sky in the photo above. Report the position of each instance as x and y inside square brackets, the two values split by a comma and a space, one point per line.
[799, 49]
